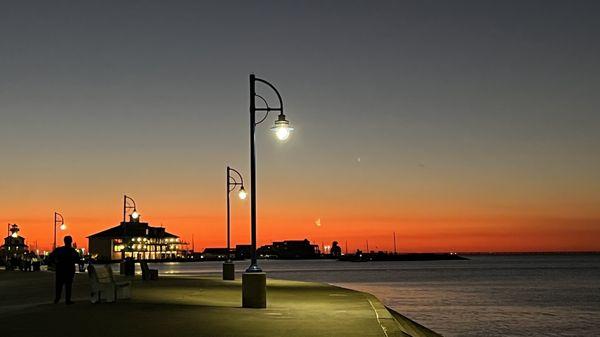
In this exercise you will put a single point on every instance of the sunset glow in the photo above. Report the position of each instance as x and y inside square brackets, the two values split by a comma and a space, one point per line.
[457, 131]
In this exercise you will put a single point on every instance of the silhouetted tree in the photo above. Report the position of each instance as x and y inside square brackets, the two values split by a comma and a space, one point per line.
[336, 250]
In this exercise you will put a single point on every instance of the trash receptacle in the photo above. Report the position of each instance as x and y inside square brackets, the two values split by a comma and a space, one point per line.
[127, 268]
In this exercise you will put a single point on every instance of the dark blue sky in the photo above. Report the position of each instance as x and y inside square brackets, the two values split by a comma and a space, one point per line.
[401, 108]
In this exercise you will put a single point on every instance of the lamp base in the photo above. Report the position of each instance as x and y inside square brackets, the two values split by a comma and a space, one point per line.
[228, 271]
[254, 290]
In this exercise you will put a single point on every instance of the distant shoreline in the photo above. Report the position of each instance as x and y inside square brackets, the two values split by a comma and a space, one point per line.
[530, 253]
[400, 257]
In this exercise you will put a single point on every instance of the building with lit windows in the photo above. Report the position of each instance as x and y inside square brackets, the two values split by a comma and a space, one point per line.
[136, 240]
[14, 246]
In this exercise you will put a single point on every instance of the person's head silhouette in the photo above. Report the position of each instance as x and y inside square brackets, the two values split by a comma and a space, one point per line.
[68, 240]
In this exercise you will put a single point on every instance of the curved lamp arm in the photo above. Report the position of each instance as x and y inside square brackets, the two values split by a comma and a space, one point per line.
[126, 198]
[267, 111]
[127, 206]
[58, 217]
[235, 183]
[280, 109]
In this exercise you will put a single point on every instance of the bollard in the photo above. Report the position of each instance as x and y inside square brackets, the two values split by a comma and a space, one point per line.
[254, 290]
[228, 271]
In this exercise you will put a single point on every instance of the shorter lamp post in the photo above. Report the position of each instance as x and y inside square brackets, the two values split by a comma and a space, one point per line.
[127, 266]
[59, 221]
[232, 184]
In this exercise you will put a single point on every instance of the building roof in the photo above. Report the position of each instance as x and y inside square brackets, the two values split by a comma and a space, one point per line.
[133, 229]
[14, 242]
[216, 251]
[293, 242]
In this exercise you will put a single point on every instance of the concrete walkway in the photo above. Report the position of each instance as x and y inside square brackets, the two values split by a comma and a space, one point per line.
[203, 306]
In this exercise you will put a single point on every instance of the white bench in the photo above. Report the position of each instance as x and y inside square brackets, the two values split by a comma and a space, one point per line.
[104, 287]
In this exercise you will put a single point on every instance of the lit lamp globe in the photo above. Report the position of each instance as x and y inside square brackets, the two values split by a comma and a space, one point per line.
[242, 193]
[63, 227]
[282, 128]
[135, 215]
[15, 235]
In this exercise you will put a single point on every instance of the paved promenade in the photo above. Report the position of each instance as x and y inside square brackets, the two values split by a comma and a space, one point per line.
[200, 306]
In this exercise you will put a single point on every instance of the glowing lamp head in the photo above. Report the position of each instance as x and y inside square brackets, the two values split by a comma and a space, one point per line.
[242, 193]
[63, 227]
[282, 128]
[15, 235]
[135, 215]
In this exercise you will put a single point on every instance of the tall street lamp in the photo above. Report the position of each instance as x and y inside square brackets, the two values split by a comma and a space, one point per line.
[59, 221]
[254, 286]
[232, 184]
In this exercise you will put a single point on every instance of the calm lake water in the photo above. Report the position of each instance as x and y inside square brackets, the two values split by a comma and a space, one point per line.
[518, 295]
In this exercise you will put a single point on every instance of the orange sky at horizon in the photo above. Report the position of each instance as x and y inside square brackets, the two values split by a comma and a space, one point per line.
[414, 232]
[474, 209]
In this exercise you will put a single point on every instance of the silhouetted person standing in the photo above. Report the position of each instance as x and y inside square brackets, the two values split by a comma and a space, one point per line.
[64, 259]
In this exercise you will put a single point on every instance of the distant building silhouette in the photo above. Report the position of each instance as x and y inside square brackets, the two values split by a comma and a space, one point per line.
[243, 252]
[216, 253]
[290, 249]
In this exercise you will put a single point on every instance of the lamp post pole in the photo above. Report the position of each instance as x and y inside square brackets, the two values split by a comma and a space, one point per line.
[57, 218]
[127, 267]
[282, 130]
[253, 264]
[228, 220]
[134, 216]
[232, 183]
[254, 280]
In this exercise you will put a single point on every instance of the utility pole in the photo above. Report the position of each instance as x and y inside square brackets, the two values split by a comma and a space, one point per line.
[395, 243]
